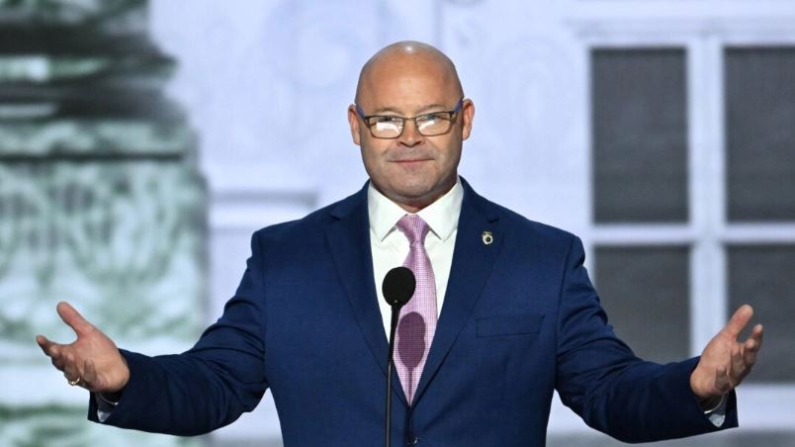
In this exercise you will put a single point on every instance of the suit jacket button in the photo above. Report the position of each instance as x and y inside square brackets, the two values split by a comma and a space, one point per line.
[412, 440]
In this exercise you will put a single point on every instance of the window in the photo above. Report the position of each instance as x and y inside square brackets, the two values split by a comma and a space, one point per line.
[693, 148]
[640, 182]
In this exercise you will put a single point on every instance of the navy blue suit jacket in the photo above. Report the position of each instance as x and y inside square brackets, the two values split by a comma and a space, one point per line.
[520, 319]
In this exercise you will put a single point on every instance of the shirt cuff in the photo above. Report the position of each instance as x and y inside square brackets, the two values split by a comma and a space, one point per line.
[104, 407]
[717, 415]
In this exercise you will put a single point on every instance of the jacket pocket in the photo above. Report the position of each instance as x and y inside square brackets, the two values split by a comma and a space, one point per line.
[503, 326]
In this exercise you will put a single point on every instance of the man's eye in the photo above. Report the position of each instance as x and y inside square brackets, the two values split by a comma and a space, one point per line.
[386, 120]
[431, 118]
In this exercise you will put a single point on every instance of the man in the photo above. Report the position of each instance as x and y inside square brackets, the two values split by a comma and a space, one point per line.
[517, 315]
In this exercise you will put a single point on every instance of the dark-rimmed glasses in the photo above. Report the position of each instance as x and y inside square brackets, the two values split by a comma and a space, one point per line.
[428, 124]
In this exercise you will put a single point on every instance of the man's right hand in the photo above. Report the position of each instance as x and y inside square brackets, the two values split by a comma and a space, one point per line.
[92, 361]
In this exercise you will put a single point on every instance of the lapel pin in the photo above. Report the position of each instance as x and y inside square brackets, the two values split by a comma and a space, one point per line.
[487, 237]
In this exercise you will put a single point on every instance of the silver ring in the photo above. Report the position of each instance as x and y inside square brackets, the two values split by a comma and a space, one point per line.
[74, 382]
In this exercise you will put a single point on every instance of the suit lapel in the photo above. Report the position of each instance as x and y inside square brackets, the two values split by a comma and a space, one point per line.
[348, 237]
[473, 260]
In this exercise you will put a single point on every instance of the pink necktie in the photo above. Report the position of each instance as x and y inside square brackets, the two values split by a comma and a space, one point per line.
[418, 317]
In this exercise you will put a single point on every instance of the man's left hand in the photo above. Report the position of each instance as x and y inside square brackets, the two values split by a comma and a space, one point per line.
[726, 361]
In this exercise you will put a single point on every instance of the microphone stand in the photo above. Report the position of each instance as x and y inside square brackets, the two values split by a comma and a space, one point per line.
[398, 288]
[389, 366]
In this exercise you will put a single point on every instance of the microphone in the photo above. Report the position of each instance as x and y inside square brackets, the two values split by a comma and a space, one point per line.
[398, 288]
[399, 285]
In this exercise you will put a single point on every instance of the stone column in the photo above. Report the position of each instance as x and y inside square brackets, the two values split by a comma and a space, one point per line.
[101, 205]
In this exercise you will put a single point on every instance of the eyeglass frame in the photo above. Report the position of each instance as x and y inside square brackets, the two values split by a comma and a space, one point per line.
[459, 105]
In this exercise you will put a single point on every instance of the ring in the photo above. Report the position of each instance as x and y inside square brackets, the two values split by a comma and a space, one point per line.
[74, 382]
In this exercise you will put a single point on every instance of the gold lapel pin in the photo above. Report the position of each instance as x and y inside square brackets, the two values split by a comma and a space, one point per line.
[487, 237]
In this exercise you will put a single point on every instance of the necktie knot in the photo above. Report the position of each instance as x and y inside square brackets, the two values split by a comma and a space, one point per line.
[414, 228]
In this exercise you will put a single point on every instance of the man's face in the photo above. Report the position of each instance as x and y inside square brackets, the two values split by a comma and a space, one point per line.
[412, 170]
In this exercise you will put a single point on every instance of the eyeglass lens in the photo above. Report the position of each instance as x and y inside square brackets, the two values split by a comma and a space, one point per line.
[428, 125]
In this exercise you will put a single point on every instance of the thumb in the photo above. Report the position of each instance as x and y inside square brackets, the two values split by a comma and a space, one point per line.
[73, 319]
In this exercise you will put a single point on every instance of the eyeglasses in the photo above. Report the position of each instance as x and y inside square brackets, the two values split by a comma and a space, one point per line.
[428, 124]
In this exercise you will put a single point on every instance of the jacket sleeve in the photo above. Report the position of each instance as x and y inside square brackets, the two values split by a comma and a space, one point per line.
[613, 391]
[210, 385]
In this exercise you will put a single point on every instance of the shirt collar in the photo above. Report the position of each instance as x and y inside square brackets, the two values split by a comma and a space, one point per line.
[441, 216]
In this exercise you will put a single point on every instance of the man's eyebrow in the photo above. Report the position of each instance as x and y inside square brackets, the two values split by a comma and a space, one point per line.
[425, 109]
[383, 110]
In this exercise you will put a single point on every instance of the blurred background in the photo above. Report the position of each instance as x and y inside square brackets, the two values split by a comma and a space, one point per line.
[141, 142]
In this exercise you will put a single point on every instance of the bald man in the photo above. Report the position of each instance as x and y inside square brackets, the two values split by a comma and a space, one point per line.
[504, 312]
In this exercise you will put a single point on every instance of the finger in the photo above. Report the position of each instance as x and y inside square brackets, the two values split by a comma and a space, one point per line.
[757, 336]
[90, 379]
[749, 357]
[73, 319]
[722, 383]
[738, 367]
[48, 347]
[70, 373]
[54, 352]
[739, 320]
[752, 345]
[57, 363]
[70, 368]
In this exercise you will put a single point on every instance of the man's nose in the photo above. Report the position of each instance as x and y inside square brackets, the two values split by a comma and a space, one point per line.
[411, 135]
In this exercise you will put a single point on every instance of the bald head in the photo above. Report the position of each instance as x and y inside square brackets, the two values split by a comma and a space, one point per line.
[415, 85]
[407, 58]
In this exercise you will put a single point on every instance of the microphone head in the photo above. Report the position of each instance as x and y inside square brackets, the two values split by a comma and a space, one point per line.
[399, 285]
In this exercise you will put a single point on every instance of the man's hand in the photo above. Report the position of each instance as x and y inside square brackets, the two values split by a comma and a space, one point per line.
[726, 361]
[92, 361]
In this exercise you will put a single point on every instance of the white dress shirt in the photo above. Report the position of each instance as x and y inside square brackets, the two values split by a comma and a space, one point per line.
[390, 247]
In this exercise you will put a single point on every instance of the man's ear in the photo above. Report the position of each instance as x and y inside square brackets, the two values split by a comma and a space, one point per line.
[467, 116]
[353, 121]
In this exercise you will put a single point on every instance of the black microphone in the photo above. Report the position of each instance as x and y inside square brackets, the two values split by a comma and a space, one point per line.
[399, 285]
[398, 288]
